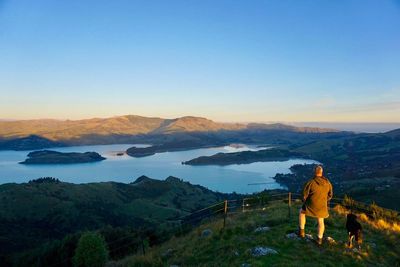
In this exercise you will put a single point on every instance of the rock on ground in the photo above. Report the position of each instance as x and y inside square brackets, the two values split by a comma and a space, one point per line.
[262, 229]
[296, 237]
[206, 233]
[262, 251]
[293, 236]
[309, 237]
[330, 240]
[168, 253]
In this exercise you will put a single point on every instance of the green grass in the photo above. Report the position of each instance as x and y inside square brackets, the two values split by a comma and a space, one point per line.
[384, 191]
[34, 213]
[231, 246]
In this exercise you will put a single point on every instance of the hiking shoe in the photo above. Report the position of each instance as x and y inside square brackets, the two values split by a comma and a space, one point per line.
[301, 233]
[319, 241]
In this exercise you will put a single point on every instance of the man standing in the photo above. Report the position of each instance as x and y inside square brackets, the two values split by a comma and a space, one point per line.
[316, 194]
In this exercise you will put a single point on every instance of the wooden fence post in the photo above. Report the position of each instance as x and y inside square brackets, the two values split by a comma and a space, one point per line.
[289, 203]
[143, 249]
[225, 210]
[243, 205]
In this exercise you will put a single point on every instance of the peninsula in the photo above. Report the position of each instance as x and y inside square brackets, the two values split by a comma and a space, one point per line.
[245, 157]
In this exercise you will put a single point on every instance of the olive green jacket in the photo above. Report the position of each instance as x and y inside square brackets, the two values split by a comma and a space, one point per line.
[316, 194]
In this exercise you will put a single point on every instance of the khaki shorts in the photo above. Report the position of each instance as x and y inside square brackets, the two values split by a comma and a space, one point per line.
[303, 209]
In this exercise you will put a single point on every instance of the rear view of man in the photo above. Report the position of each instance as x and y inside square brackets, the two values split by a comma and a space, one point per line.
[316, 194]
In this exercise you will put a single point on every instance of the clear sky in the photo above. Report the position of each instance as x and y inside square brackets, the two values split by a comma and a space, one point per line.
[230, 60]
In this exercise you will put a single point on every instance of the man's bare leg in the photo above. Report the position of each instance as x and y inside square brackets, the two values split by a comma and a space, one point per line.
[302, 223]
[321, 227]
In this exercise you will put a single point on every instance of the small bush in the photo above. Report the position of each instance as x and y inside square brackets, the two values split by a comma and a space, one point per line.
[91, 251]
[227, 234]
[382, 224]
[396, 227]
[238, 230]
[146, 260]
[363, 217]
[340, 209]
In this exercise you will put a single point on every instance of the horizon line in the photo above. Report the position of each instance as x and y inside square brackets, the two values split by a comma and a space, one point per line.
[219, 121]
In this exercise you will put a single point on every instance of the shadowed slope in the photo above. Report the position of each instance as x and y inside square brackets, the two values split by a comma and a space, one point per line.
[47, 209]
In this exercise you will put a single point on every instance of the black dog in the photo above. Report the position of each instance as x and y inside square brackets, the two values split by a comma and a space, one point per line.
[354, 229]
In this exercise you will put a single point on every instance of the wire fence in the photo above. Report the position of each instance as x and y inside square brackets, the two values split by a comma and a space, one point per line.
[224, 208]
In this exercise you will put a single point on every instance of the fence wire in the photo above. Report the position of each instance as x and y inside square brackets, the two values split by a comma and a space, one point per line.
[260, 202]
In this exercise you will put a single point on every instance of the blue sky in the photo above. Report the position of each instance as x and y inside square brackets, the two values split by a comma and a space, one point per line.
[225, 60]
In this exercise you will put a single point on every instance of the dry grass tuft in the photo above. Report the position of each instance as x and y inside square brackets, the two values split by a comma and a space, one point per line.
[363, 217]
[396, 227]
[341, 210]
[380, 224]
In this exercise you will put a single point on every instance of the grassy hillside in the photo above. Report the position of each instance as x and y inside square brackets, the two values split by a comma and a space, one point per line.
[359, 156]
[233, 245]
[45, 210]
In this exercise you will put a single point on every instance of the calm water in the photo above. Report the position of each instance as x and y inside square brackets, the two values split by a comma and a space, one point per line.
[159, 166]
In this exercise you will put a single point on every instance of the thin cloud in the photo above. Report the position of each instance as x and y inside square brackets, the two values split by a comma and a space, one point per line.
[375, 106]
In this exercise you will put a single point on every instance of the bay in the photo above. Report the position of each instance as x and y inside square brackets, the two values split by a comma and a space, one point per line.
[240, 178]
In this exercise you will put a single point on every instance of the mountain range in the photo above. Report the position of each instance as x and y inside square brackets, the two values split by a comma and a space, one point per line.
[181, 132]
[57, 130]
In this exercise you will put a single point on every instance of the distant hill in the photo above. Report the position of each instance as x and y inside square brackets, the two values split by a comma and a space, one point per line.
[290, 128]
[59, 130]
[28, 143]
[131, 129]
[357, 156]
[67, 129]
[195, 124]
[394, 133]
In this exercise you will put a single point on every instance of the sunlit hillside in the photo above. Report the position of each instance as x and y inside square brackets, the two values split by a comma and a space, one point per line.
[265, 238]
[129, 125]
